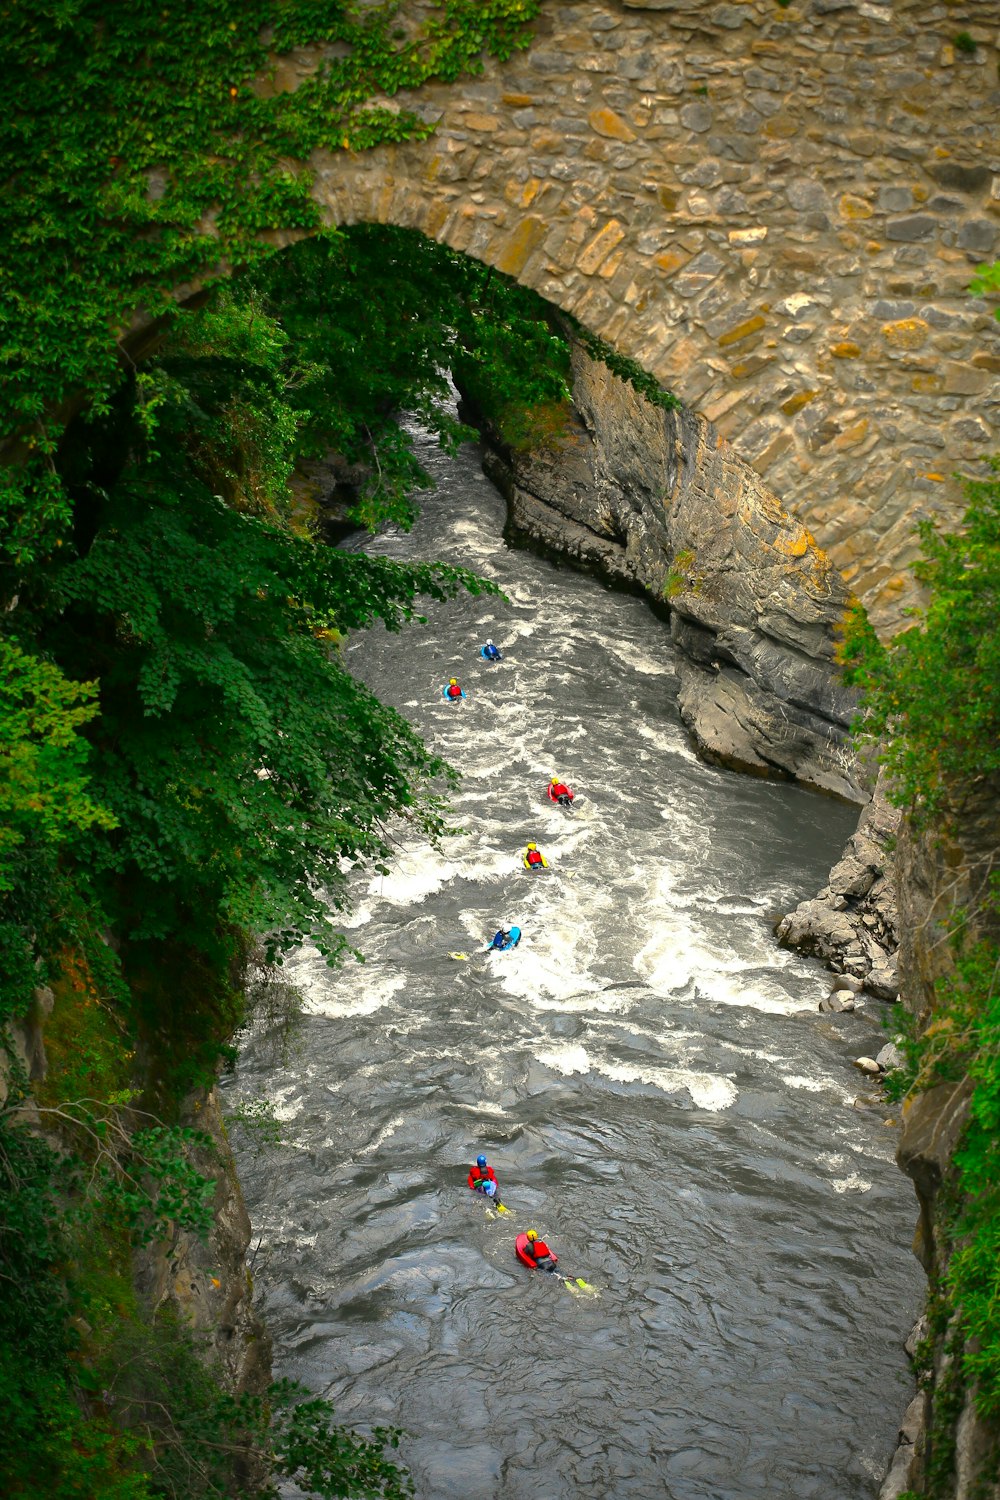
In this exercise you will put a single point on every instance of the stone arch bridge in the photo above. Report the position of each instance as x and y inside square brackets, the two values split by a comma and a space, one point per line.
[776, 209]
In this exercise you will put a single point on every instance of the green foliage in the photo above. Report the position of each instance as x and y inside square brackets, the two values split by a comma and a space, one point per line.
[368, 316]
[974, 1265]
[87, 1053]
[25, 911]
[899, 1082]
[99, 1402]
[159, 1188]
[949, 1393]
[240, 769]
[235, 768]
[681, 577]
[423, 309]
[963, 41]
[241, 762]
[986, 283]
[962, 1040]
[331, 1462]
[51, 1443]
[43, 759]
[142, 148]
[932, 697]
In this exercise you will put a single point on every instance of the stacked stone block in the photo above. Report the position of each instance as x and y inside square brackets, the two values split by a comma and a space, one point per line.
[776, 210]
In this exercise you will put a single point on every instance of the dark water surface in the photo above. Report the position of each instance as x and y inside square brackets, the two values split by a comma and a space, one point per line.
[634, 1071]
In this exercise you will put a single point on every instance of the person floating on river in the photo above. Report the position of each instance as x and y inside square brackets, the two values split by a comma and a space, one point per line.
[558, 791]
[507, 937]
[482, 1178]
[534, 859]
[489, 652]
[539, 1252]
[452, 690]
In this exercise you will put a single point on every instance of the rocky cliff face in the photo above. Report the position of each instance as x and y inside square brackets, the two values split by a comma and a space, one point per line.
[655, 499]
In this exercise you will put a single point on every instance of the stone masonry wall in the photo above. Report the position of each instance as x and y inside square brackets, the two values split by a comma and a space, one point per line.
[777, 211]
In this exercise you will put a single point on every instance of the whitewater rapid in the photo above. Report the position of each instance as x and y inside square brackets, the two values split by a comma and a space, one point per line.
[638, 1070]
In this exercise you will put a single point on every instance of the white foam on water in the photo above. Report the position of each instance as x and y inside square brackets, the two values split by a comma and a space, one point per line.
[414, 874]
[565, 1060]
[545, 975]
[362, 997]
[755, 1052]
[672, 957]
[386, 1133]
[765, 995]
[852, 1184]
[712, 1091]
[284, 1107]
[635, 659]
[811, 1085]
[592, 1002]
[709, 1091]
[518, 629]
[677, 957]
[353, 916]
[670, 740]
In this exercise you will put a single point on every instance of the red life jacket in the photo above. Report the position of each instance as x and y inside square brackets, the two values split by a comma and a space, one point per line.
[539, 1249]
[454, 691]
[481, 1174]
[534, 858]
[559, 790]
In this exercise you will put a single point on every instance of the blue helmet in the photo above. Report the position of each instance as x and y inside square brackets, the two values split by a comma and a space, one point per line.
[480, 1161]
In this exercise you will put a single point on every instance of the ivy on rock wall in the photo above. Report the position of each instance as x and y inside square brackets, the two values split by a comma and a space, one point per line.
[932, 698]
[932, 702]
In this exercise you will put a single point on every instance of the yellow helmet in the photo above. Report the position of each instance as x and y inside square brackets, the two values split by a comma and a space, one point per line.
[532, 846]
[532, 1235]
[553, 779]
[453, 682]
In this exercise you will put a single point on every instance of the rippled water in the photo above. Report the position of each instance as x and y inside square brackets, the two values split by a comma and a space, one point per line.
[635, 1070]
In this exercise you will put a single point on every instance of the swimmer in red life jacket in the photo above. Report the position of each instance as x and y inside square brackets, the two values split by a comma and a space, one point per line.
[539, 1251]
[452, 690]
[534, 859]
[482, 1178]
[558, 791]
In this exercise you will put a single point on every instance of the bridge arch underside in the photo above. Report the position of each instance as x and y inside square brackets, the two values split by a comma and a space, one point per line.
[777, 212]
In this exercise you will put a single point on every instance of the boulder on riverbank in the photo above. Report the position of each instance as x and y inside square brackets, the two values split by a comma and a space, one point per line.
[853, 922]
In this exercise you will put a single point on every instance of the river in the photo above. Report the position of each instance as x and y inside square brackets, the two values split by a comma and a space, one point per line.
[638, 1072]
